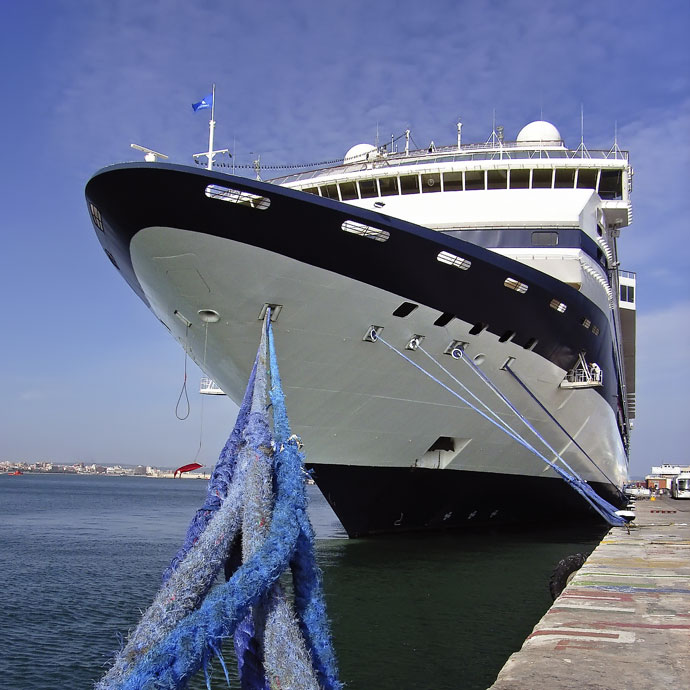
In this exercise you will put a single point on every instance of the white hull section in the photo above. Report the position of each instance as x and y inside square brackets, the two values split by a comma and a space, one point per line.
[355, 402]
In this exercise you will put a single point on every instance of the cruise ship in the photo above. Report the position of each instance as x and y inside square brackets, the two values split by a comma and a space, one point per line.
[452, 322]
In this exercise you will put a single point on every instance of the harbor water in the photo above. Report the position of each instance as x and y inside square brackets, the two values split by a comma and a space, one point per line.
[82, 556]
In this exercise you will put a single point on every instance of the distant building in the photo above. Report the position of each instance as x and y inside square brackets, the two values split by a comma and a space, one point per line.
[661, 476]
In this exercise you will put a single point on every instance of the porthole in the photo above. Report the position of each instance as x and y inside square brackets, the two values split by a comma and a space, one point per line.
[444, 319]
[367, 231]
[453, 260]
[513, 284]
[237, 196]
[478, 328]
[405, 309]
[557, 305]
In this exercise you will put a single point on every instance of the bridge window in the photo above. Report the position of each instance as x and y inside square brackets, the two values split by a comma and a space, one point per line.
[542, 178]
[497, 179]
[587, 178]
[409, 184]
[330, 191]
[611, 184]
[452, 182]
[348, 190]
[368, 189]
[565, 178]
[431, 182]
[474, 179]
[519, 179]
[388, 185]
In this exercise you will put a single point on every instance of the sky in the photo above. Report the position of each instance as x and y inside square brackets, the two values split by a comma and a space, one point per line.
[88, 374]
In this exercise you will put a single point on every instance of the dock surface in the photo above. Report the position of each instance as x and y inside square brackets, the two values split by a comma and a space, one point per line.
[623, 621]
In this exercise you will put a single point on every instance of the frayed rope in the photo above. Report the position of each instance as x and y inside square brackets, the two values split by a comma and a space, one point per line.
[279, 642]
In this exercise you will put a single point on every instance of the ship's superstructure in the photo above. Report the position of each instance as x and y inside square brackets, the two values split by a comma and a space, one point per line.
[504, 251]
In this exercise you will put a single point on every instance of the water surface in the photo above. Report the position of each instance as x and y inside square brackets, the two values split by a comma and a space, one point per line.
[82, 556]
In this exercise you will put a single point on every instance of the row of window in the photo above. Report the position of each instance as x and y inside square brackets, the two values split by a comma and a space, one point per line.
[406, 308]
[608, 183]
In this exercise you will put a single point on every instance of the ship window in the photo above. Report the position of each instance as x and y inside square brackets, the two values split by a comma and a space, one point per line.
[508, 335]
[628, 293]
[365, 231]
[611, 184]
[348, 190]
[311, 190]
[587, 178]
[388, 185]
[112, 259]
[330, 191]
[541, 178]
[516, 285]
[444, 319]
[497, 179]
[97, 219]
[474, 179]
[519, 179]
[557, 305]
[236, 196]
[453, 260]
[368, 189]
[452, 182]
[431, 183]
[543, 238]
[565, 178]
[478, 328]
[405, 309]
[409, 184]
[530, 344]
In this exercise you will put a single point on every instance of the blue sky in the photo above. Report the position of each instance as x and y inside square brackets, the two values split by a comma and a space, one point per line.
[89, 374]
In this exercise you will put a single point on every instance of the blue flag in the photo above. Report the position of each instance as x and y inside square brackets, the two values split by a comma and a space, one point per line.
[203, 103]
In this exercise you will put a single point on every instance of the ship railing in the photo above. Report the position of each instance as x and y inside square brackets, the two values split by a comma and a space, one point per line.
[451, 154]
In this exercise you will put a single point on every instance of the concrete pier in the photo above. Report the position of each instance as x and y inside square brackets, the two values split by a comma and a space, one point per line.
[623, 621]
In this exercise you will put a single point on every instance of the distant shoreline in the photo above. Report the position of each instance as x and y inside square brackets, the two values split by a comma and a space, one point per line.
[161, 475]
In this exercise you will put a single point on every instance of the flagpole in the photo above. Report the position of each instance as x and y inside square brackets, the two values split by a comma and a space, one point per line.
[211, 127]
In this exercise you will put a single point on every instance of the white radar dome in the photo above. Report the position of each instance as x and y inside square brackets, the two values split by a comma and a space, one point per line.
[359, 153]
[539, 130]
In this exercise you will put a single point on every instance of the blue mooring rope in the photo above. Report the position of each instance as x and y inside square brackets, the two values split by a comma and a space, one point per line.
[189, 620]
[601, 505]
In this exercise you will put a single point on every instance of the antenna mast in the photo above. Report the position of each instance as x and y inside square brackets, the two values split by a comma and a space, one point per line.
[211, 154]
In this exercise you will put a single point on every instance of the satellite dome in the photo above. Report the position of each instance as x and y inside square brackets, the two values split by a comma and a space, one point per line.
[359, 153]
[539, 130]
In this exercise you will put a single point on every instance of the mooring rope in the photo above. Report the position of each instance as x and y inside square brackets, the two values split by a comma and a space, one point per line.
[184, 628]
[601, 505]
[560, 426]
